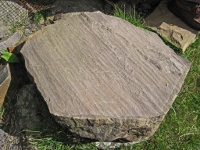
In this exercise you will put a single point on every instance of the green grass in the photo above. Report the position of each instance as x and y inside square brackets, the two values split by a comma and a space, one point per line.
[17, 26]
[38, 16]
[131, 17]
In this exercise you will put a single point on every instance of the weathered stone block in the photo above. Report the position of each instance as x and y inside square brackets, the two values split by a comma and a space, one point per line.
[10, 41]
[104, 78]
[171, 27]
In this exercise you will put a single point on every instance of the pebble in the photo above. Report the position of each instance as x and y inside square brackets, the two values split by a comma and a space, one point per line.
[27, 31]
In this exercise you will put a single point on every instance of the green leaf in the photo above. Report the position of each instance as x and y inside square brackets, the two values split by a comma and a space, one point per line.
[9, 57]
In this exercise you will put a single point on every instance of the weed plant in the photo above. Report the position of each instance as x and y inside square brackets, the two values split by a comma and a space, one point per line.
[37, 17]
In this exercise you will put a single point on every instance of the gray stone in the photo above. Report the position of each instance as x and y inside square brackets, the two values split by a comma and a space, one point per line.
[171, 27]
[11, 13]
[26, 110]
[27, 31]
[10, 41]
[104, 78]
[8, 142]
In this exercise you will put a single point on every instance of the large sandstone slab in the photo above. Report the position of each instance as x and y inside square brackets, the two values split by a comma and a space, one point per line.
[171, 27]
[104, 78]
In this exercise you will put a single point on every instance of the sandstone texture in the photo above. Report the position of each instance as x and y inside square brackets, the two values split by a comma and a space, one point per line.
[104, 78]
[169, 26]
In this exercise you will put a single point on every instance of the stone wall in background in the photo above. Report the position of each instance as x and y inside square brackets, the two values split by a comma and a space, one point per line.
[12, 13]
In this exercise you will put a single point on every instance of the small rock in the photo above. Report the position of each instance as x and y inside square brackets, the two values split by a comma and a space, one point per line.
[171, 27]
[11, 40]
[8, 142]
[27, 31]
[57, 17]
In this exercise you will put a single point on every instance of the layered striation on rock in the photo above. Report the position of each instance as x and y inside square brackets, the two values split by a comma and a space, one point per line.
[104, 78]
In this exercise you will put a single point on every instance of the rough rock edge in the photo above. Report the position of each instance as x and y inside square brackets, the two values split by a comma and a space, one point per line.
[85, 126]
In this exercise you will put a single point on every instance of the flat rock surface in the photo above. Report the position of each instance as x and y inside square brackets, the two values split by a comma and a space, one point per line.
[174, 29]
[104, 78]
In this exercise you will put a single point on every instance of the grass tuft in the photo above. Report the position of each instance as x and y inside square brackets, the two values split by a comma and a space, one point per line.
[130, 16]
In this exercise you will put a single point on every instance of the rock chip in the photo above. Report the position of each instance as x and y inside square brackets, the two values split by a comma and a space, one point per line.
[171, 27]
[104, 78]
[10, 41]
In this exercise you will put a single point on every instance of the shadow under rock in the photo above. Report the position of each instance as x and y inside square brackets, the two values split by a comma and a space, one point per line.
[68, 6]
